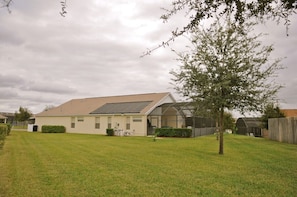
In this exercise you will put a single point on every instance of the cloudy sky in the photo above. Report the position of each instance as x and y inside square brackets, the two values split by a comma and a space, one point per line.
[94, 51]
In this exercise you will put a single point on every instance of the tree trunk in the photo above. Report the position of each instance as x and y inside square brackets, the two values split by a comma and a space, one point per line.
[217, 127]
[221, 146]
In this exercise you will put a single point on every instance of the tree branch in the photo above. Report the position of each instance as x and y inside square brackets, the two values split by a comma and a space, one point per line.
[6, 3]
[63, 12]
[240, 9]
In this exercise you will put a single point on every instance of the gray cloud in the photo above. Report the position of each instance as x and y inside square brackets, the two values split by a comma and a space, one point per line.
[7, 94]
[10, 80]
[44, 87]
[46, 59]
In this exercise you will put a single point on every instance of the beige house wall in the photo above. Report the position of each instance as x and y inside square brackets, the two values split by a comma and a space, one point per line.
[155, 121]
[171, 118]
[86, 124]
[138, 124]
[40, 121]
[173, 121]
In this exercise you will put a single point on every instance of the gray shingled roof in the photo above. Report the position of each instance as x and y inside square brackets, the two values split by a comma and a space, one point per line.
[121, 108]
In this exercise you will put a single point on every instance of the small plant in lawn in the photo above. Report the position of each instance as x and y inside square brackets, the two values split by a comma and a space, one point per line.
[155, 136]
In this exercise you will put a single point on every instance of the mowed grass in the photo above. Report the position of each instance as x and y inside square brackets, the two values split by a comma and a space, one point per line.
[36, 164]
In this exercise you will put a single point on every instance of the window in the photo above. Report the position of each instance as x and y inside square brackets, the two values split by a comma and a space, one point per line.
[128, 123]
[109, 122]
[72, 122]
[80, 119]
[97, 122]
[137, 119]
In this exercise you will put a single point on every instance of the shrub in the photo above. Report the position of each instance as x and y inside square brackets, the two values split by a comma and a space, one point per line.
[5, 128]
[110, 132]
[53, 129]
[8, 128]
[173, 132]
[3, 133]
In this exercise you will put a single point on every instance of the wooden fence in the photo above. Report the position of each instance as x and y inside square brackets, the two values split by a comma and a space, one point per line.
[283, 129]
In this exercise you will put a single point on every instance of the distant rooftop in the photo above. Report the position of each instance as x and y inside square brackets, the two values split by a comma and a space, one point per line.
[289, 112]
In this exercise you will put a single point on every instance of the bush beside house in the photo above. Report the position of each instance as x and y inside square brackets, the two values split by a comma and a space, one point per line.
[4, 131]
[53, 129]
[173, 132]
[109, 132]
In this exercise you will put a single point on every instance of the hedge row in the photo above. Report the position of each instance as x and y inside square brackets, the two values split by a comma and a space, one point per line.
[173, 132]
[53, 129]
[4, 131]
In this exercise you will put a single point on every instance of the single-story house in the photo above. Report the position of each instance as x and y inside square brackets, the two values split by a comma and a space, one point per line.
[9, 117]
[3, 119]
[131, 114]
[249, 126]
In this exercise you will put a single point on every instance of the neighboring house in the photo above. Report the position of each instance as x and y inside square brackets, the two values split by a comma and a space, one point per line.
[135, 114]
[3, 119]
[289, 112]
[249, 126]
[9, 117]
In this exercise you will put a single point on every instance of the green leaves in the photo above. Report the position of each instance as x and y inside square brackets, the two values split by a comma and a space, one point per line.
[23, 114]
[243, 10]
[227, 68]
[271, 111]
[238, 11]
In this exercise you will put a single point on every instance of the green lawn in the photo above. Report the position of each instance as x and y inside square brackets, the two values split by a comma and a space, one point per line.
[37, 164]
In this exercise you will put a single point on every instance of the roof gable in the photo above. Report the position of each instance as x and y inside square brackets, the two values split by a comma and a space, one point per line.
[2, 117]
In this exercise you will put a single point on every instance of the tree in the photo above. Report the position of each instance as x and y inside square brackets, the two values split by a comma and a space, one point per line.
[271, 111]
[7, 4]
[63, 5]
[48, 107]
[23, 115]
[229, 121]
[242, 11]
[226, 68]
